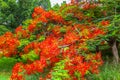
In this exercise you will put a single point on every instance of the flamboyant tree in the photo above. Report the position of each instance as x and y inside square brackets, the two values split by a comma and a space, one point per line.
[53, 44]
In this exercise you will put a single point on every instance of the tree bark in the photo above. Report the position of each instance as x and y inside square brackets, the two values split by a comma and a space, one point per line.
[97, 49]
[115, 51]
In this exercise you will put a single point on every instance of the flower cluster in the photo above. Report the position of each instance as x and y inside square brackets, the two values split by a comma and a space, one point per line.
[8, 44]
[20, 32]
[20, 69]
[44, 16]
[17, 72]
[49, 48]
[32, 46]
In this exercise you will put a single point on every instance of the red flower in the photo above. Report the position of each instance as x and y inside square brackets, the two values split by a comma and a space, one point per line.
[43, 19]
[40, 64]
[96, 32]
[20, 32]
[58, 18]
[70, 38]
[86, 6]
[38, 10]
[18, 29]
[9, 44]
[49, 47]
[17, 69]
[56, 31]
[31, 27]
[34, 15]
[48, 14]
[105, 23]
[54, 60]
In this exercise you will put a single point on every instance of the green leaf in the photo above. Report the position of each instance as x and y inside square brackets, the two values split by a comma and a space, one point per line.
[23, 43]
[32, 37]
[41, 38]
[66, 48]
[69, 17]
[26, 23]
[59, 72]
[24, 58]
[63, 29]
[32, 55]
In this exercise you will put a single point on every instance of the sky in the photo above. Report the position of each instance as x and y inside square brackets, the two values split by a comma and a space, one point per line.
[53, 2]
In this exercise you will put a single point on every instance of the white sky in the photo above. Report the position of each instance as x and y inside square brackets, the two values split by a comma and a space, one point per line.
[53, 2]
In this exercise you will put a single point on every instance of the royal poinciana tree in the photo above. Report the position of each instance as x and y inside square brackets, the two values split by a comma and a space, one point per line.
[54, 44]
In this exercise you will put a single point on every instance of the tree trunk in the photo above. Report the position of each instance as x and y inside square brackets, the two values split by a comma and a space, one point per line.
[115, 51]
[97, 49]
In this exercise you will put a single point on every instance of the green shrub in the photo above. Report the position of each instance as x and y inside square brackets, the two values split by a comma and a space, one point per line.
[3, 29]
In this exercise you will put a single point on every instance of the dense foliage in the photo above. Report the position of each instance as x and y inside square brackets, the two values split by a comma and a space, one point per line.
[14, 12]
[4, 29]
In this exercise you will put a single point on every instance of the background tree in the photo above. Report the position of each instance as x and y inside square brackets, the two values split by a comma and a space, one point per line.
[45, 4]
[13, 13]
